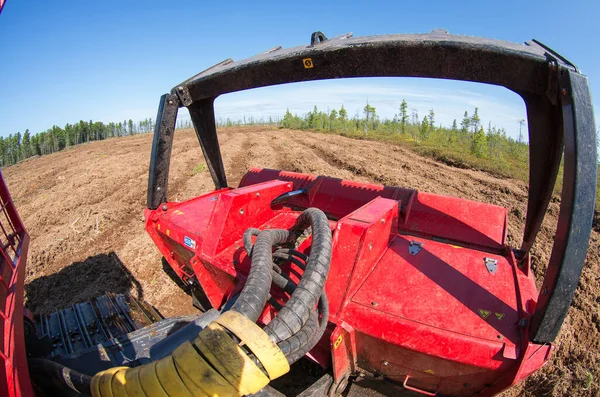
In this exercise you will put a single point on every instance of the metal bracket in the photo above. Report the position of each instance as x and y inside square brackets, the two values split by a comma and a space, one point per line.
[556, 55]
[288, 195]
[491, 264]
[552, 90]
[415, 247]
[316, 38]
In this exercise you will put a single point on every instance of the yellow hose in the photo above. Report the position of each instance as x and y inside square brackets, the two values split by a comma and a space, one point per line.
[213, 365]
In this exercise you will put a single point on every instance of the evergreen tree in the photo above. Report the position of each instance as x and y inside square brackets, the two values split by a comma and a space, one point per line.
[26, 152]
[475, 120]
[479, 143]
[403, 115]
[431, 118]
[424, 128]
[343, 114]
[333, 115]
[465, 123]
[370, 114]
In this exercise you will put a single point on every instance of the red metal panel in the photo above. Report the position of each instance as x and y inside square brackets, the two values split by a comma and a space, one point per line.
[456, 219]
[439, 319]
[341, 345]
[336, 197]
[14, 244]
[447, 287]
[237, 210]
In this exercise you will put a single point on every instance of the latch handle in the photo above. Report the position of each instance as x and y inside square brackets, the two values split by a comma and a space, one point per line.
[418, 390]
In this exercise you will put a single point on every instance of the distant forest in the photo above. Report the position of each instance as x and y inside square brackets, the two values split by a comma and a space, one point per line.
[17, 147]
[467, 136]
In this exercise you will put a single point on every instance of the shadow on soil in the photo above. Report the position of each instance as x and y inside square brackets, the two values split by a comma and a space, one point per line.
[81, 281]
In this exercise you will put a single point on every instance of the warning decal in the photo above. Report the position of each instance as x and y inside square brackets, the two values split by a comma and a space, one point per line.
[338, 341]
[484, 313]
[499, 316]
[308, 63]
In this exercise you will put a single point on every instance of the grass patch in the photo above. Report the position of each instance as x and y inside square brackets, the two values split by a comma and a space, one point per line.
[453, 155]
[199, 168]
[503, 166]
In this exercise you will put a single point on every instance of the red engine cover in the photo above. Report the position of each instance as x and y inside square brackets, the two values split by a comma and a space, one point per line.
[422, 288]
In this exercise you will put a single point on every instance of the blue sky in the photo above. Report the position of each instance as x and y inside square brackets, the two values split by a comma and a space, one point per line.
[62, 61]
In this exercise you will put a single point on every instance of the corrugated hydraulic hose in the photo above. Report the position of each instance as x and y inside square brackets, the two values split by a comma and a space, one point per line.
[212, 365]
[253, 297]
[296, 311]
[296, 327]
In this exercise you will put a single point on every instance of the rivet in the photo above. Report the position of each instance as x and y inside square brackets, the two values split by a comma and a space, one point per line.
[164, 207]
[257, 194]
[180, 88]
[370, 246]
[241, 211]
[382, 221]
[385, 363]
[170, 102]
[158, 188]
[564, 92]
[499, 336]
[373, 303]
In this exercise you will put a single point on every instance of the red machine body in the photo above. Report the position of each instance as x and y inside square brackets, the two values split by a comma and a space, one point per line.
[423, 289]
[14, 242]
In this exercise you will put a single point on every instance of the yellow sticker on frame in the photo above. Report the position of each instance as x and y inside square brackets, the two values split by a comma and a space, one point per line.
[308, 63]
[338, 341]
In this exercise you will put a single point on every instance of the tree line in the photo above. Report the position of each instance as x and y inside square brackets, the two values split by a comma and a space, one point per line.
[468, 135]
[17, 147]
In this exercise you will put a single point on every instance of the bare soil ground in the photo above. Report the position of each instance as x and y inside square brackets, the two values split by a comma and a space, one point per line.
[84, 210]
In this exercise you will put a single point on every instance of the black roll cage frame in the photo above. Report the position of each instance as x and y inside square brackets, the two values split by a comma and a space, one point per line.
[559, 112]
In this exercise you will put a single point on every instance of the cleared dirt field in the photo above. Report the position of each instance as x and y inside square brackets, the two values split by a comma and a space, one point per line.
[84, 210]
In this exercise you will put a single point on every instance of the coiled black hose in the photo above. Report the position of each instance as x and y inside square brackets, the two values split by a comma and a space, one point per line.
[296, 311]
[309, 335]
[253, 297]
[296, 329]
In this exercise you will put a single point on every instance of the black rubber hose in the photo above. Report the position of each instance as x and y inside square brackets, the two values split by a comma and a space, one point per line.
[70, 378]
[291, 251]
[324, 310]
[301, 339]
[291, 258]
[316, 336]
[254, 295]
[248, 239]
[296, 311]
[283, 282]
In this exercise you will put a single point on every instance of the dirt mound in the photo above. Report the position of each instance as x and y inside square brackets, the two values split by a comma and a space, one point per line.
[83, 208]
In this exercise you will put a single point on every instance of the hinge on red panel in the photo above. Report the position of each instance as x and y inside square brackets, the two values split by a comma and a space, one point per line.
[491, 264]
[415, 247]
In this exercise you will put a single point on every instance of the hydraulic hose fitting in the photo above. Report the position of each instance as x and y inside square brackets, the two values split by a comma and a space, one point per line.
[213, 364]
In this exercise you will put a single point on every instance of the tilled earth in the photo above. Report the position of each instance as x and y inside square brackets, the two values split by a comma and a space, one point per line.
[83, 208]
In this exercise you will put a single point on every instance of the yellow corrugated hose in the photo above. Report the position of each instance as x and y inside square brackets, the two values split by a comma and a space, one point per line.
[213, 365]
